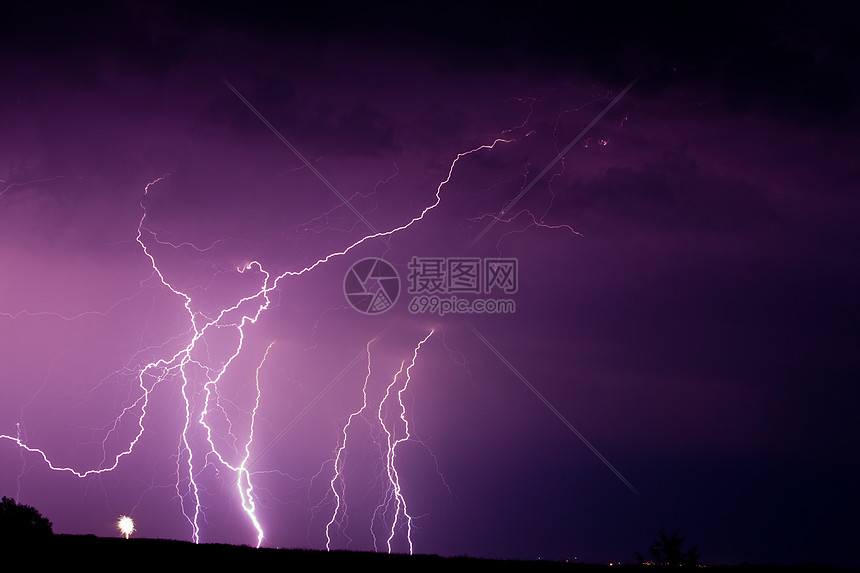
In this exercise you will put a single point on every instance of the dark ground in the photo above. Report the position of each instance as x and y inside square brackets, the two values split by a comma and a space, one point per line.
[116, 552]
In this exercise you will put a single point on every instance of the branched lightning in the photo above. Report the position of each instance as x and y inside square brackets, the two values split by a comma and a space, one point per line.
[394, 493]
[191, 363]
[555, 160]
[198, 375]
[532, 221]
[392, 421]
[337, 484]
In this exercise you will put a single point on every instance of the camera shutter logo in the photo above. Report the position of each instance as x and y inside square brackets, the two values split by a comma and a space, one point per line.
[371, 286]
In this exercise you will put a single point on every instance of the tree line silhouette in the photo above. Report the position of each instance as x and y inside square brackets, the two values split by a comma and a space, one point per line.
[19, 522]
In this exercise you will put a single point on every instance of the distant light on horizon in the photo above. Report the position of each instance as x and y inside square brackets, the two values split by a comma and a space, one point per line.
[125, 524]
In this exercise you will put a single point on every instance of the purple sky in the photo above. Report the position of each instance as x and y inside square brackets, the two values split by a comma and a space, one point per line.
[688, 272]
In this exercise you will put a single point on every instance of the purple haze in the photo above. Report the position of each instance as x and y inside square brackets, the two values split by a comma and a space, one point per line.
[688, 271]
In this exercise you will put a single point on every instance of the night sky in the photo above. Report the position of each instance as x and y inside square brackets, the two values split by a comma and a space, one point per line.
[687, 295]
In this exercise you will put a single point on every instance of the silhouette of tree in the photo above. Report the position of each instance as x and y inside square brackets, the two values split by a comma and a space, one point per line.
[666, 550]
[19, 522]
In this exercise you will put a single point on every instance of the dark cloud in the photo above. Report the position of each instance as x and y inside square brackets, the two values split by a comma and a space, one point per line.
[670, 195]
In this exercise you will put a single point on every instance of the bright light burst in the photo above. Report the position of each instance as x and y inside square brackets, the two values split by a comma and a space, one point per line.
[125, 525]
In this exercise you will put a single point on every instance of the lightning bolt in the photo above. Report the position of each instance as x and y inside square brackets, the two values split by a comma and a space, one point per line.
[191, 364]
[394, 494]
[393, 502]
[199, 366]
[532, 222]
[337, 482]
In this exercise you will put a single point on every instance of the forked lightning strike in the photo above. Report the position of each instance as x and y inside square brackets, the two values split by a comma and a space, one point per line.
[392, 508]
[198, 376]
[187, 369]
[394, 493]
